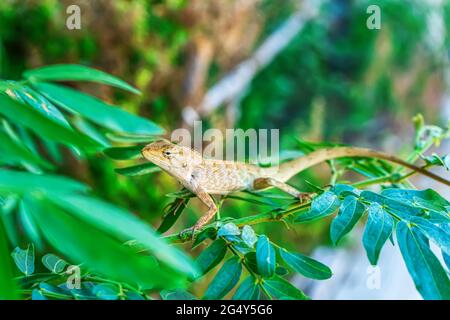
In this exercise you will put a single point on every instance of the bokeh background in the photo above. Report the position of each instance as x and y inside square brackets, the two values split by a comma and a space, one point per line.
[335, 81]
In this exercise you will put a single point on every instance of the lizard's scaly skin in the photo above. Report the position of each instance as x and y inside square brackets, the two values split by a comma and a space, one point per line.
[207, 176]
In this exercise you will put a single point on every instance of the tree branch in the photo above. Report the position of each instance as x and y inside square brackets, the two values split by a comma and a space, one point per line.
[273, 215]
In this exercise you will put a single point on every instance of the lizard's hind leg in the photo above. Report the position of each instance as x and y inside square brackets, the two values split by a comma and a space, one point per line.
[263, 183]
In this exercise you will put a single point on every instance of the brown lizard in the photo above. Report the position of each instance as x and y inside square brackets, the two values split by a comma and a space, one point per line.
[206, 177]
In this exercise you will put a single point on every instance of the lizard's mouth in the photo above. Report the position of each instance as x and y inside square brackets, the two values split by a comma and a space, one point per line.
[153, 156]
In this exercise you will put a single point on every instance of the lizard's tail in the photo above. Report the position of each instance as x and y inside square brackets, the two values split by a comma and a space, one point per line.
[291, 168]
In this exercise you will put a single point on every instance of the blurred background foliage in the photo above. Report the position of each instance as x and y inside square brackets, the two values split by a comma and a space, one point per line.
[336, 81]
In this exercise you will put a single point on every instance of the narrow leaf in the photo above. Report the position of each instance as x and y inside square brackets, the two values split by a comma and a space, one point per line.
[211, 256]
[97, 111]
[126, 226]
[24, 259]
[172, 213]
[8, 286]
[306, 266]
[177, 294]
[378, 229]
[225, 279]
[248, 290]
[23, 182]
[34, 120]
[105, 255]
[73, 72]
[265, 257]
[350, 212]
[138, 170]
[278, 288]
[434, 232]
[429, 276]
[322, 206]
[124, 153]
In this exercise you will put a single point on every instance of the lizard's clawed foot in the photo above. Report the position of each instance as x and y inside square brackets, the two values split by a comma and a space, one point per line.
[188, 234]
[305, 197]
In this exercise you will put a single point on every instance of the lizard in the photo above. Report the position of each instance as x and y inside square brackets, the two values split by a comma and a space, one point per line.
[205, 177]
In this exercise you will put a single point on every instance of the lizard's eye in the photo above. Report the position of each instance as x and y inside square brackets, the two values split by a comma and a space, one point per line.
[166, 153]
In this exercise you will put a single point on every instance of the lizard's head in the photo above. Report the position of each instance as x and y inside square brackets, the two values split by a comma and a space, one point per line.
[167, 155]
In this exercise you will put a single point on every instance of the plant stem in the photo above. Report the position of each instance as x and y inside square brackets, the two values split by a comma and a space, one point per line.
[251, 220]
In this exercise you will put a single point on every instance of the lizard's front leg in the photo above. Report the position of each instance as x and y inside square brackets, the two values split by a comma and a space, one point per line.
[212, 210]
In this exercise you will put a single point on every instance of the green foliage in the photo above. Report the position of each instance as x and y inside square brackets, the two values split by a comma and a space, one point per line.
[429, 276]
[265, 257]
[378, 230]
[72, 72]
[225, 279]
[54, 263]
[58, 210]
[306, 266]
[24, 259]
[38, 116]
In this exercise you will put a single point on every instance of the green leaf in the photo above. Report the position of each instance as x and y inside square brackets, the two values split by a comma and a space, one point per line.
[225, 279]
[85, 292]
[211, 256]
[124, 153]
[445, 256]
[429, 276]
[434, 232]
[73, 72]
[24, 259]
[131, 295]
[87, 128]
[278, 288]
[411, 196]
[8, 286]
[250, 260]
[341, 189]
[54, 263]
[14, 152]
[229, 229]
[172, 213]
[265, 257]
[350, 212]
[105, 255]
[61, 293]
[126, 227]
[306, 266]
[177, 294]
[378, 229]
[29, 96]
[401, 209]
[321, 206]
[97, 111]
[32, 119]
[249, 236]
[281, 271]
[248, 290]
[124, 138]
[207, 233]
[106, 291]
[23, 182]
[37, 295]
[138, 170]
[28, 224]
